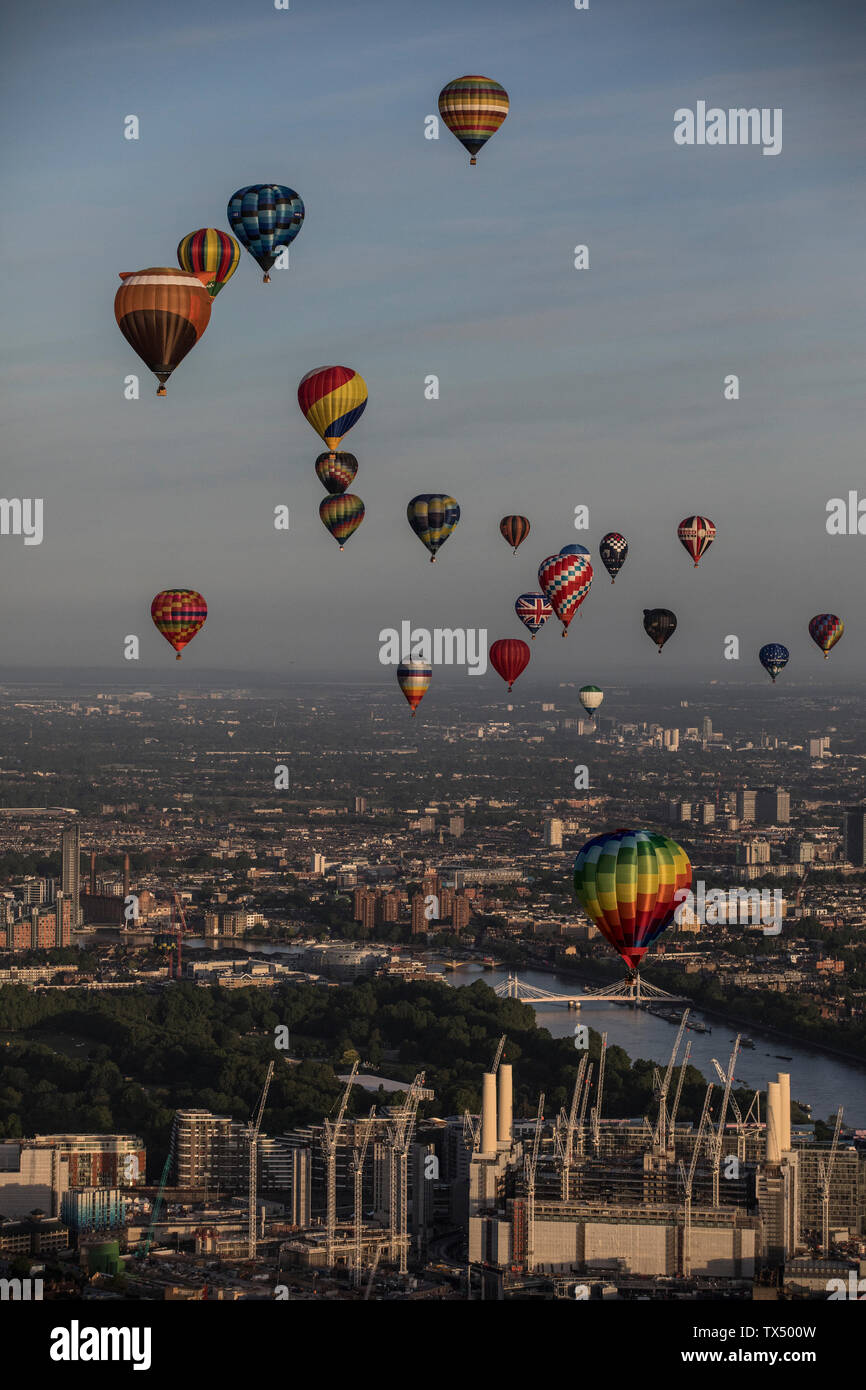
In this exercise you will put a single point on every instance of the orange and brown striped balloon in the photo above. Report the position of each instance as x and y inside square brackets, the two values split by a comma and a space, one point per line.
[162, 312]
[515, 529]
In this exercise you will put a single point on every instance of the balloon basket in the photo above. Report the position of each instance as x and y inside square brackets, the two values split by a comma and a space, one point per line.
[473, 160]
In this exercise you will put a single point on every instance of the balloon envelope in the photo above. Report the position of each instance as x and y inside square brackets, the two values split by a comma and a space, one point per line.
[659, 624]
[265, 217]
[336, 471]
[590, 697]
[508, 657]
[211, 251]
[433, 516]
[826, 629]
[614, 552]
[342, 515]
[473, 108]
[162, 312]
[697, 534]
[333, 399]
[565, 581]
[515, 529]
[774, 658]
[533, 610]
[178, 614]
[414, 680]
[626, 881]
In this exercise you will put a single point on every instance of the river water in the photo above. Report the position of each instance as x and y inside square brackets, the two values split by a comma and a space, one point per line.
[816, 1079]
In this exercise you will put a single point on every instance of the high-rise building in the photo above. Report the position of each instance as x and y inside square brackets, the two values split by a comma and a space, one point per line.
[707, 728]
[746, 804]
[419, 921]
[456, 826]
[772, 806]
[460, 912]
[318, 863]
[671, 739]
[388, 907]
[553, 834]
[754, 852]
[360, 805]
[854, 831]
[70, 879]
[819, 748]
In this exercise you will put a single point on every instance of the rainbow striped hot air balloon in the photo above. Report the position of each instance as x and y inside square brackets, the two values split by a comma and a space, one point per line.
[473, 108]
[178, 614]
[342, 515]
[162, 312]
[627, 883]
[336, 472]
[332, 399]
[210, 251]
[414, 679]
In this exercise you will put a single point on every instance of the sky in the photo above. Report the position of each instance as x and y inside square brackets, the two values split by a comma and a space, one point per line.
[558, 387]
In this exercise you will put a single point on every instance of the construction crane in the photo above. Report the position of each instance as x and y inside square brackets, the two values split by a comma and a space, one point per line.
[330, 1143]
[568, 1143]
[587, 1086]
[687, 1181]
[498, 1058]
[741, 1120]
[718, 1140]
[400, 1138]
[360, 1155]
[253, 1127]
[595, 1113]
[676, 1105]
[180, 928]
[531, 1168]
[661, 1131]
[157, 1203]
[825, 1173]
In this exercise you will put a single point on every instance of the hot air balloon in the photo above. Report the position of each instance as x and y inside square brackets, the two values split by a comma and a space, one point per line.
[336, 471]
[508, 657]
[162, 312]
[614, 553]
[342, 515]
[213, 252]
[697, 534]
[576, 549]
[774, 658]
[515, 529]
[826, 629]
[533, 610]
[659, 624]
[433, 516]
[565, 580]
[473, 108]
[265, 217]
[333, 399]
[414, 679]
[178, 614]
[627, 883]
[590, 697]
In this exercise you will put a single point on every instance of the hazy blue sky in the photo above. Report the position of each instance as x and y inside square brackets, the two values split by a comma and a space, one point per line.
[558, 387]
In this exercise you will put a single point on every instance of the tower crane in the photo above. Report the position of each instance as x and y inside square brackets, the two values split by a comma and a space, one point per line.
[253, 1128]
[741, 1120]
[181, 929]
[687, 1181]
[499, 1051]
[531, 1167]
[571, 1120]
[157, 1203]
[595, 1113]
[825, 1173]
[582, 1117]
[717, 1142]
[400, 1139]
[360, 1155]
[680, 1079]
[661, 1132]
[330, 1143]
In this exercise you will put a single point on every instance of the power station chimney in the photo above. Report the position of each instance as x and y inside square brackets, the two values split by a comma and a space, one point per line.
[126, 875]
[506, 1108]
[93, 871]
[784, 1079]
[488, 1113]
[774, 1123]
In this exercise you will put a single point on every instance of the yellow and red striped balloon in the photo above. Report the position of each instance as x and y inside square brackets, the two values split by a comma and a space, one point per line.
[333, 399]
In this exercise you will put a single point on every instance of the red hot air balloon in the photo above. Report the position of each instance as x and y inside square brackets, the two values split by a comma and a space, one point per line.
[565, 581]
[697, 534]
[508, 657]
[178, 614]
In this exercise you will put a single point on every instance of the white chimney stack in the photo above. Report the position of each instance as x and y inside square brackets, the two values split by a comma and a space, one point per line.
[506, 1096]
[488, 1113]
[784, 1079]
[774, 1122]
